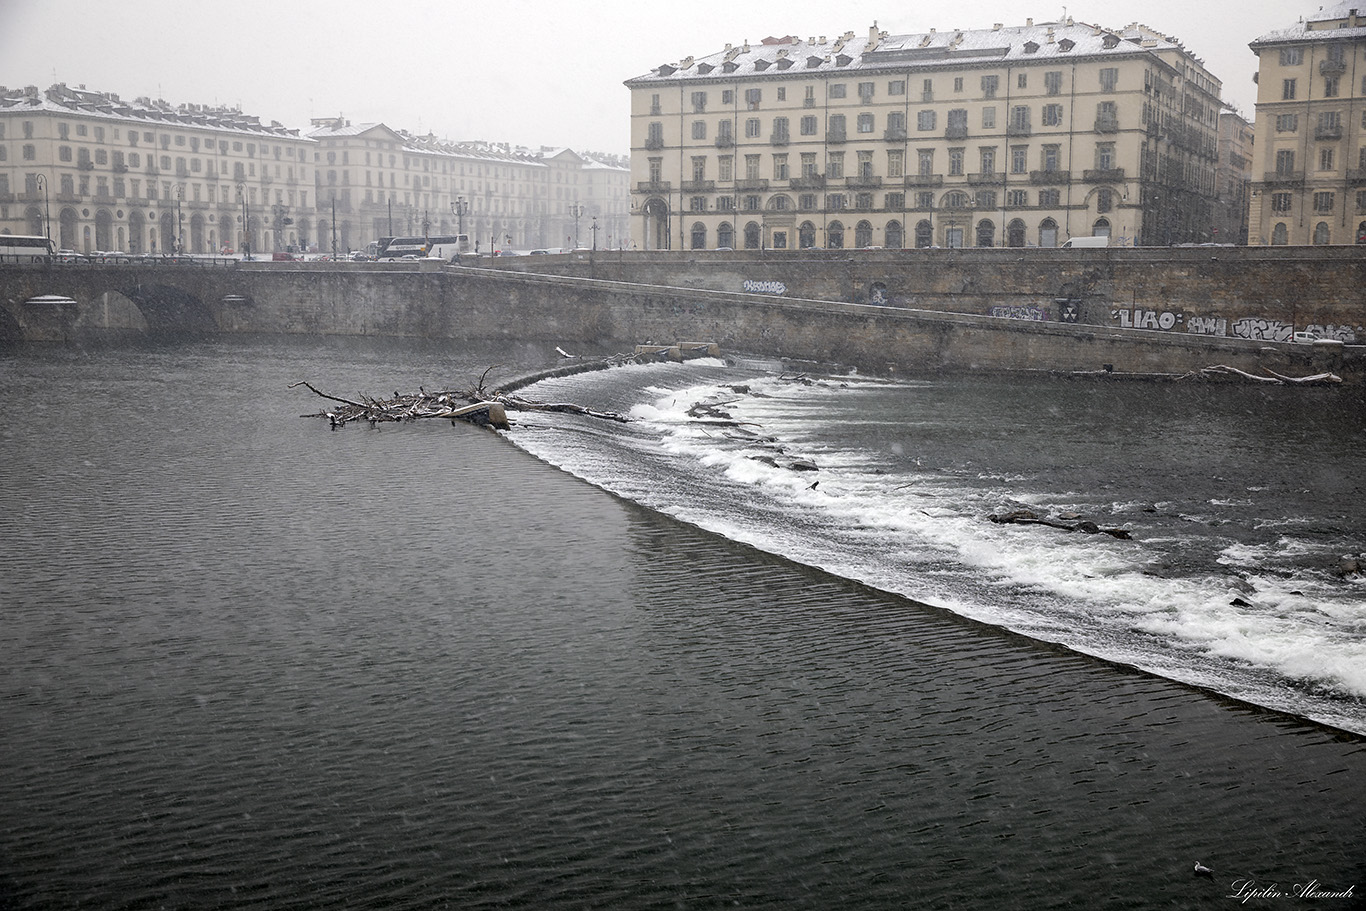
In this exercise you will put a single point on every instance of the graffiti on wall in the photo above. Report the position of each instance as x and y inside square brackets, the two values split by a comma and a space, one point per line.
[1038, 314]
[1139, 318]
[754, 287]
[1263, 330]
[1207, 325]
[1341, 333]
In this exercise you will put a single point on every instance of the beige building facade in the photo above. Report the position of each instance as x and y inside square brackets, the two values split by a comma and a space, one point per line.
[96, 173]
[1309, 173]
[1020, 136]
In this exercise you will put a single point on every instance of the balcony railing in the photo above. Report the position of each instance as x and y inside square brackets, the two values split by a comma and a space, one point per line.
[1018, 129]
[868, 182]
[699, 186]
[956, 131]
[1103, 175]
[1106, 124]
[895, 134]
[835, 136]
[1328, 132]
[1356, 176]
[1331, 67]
[1283, 178]
[654, 143]
[924, 180]
[809, 182]
[779, 139]
[1050, 178]
[987, 178]
[753, 183]
[654, 186]
[725, 141]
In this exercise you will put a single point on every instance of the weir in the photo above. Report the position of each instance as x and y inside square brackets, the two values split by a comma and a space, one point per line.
[1139, 311]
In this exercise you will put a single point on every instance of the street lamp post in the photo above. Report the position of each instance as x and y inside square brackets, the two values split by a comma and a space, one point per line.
[246, 226]
[179, 220]
[459, 208]
[576, 211]
[279, 219]
[595, 232]
[41, 180]
[426, 230]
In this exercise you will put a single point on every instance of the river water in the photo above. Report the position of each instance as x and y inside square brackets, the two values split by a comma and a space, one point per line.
[253, 663]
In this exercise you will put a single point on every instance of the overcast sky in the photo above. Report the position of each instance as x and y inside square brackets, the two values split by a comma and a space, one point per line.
[528, 72]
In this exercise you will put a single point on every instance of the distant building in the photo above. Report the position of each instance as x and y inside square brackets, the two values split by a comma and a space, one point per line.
[1233, 179]
[1309, 182]
[384, 182]
[1013, 136]
[96, 172]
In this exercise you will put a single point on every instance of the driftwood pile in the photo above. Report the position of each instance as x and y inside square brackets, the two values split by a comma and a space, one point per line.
[1027, 517]
[1217, 372]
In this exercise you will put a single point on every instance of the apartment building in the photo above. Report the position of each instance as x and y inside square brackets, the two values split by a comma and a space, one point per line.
[1233, 179]
[383, 182]
[1309, 182]
[95, 172]
[1008, 136]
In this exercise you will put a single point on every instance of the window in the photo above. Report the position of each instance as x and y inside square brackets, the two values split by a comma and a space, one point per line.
[752, 99]
[752, 203]
[927, 90]
[1052, 115]
[752, 128]
[865, 91]
[1287, 123]
[957, 123]
[834, 201]
[834, 165]
[1330, 86]
[1287, 89]
[1326, 158]
[725, 204]
[896, 125]
[990, 85]
[1019, 119]
[836, 130]
[1105, 156]
[837, 91]
[894, 201]
[725, 167]
[656, 170]
[64, 153]
[699, 102]
[806, 201]
[809, 125]
[989, 117]
[697, 204]
[782, 93]
[1017, 198]
[1052, 82]
[699, 129]
[780, 171]
[988, 156]
[958, 83]
[986, 199]
[926, 162]
[1104, 199]
[1051, 155]
[1292, 56]
[751, 167]
[1109, 78]
[1323, 201]
[1050, 198]
[924, 199]
[699, 167]
[863, 201]
[1280, 202]
[654, 136]
[1022, 81]
[956, 162]
[896, 87]
[1285, 162]
[924, 120]
[865, 163]
[1019, 159]
[956, 199]
[727, 97]
[809, 164]
[780, 133]
[865, 123]
[896, 163]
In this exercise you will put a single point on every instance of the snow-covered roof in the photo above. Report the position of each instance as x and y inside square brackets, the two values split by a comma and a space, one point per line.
[1337, 18]
[79, 101]
[1064, 40]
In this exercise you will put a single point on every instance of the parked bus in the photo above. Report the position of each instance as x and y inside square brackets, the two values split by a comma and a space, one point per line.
[21, 247]
[446, 246]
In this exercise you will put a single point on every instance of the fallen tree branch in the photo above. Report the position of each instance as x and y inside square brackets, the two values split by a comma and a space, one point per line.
[1025, 517]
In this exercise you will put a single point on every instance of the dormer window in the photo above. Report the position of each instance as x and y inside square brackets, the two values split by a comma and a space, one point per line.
[667, 69]
[762, 65]
[1109, 41]
[843, 60]
[705, 68]
[1031, 47]
[1066, 44]
[814, 61]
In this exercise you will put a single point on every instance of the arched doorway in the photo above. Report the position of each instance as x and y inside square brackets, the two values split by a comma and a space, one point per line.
[863, 234]
[655, 213]
[752, 235]
[806, 236]
[168, 238]
[197, 233]
[1015, 233]
[1048, 233]
[1322, 235]
[924, 234]
[725, 236]
[104, 230]
[1279, 234]
[1101, 228]
[67, 229]
[137, 227]
[895, 239]
[834, 236]
[34, 216]
[986, 233]
[697, 238]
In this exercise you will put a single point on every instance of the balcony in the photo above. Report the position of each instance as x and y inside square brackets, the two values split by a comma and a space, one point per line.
[835, 136]
[1107, 124]
[103, 199]
[1019, 129]
[1283, 178]
[1327, 133]
[988, 179]
[1050, 178]
[654, 186]
[868, 182]
[924, 180]
[779, 139]
[896, 134]
[699, 186]
[1332, 67]
[654, 143]
[1103, 175]
[809, 182]
[725, 141]
[956, 131]
[1356, 176]
[754, 183]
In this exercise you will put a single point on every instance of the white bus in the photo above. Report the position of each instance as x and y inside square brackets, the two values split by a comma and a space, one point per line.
[446, 246]
[21, 247]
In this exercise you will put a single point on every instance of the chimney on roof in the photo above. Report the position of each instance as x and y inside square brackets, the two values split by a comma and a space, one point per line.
[996, 26]
[1029, 23]
[1050, 34]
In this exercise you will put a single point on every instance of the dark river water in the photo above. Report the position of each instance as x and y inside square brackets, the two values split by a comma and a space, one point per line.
[252, 663]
